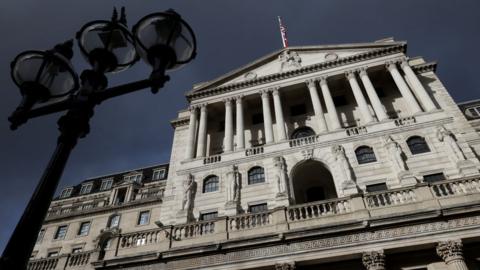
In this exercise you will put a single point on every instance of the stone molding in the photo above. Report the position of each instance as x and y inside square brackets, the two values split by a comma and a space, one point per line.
[180, 122]
[450, 250]
[285, 266]
[192, 95]
[374, 260]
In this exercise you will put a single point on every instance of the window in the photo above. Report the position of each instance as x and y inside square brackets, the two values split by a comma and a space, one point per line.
[209, 215]
[86, 188]
[114, 221]
[143, 218]
[52, 254]
[257, 208]
[84, 228]
[299, 109]
[257, 118]
[340, 101]
[474, 111]
[210, 184]
[256, 175]
[430, 178]
[302, 132]
[377, 187]
[61, 232]
[134, 178]
[365, 154]
[67, 192]
[106, 184]
[159, 174]
[77, 250]
[417, 145]
[40, 236]
[121, 195]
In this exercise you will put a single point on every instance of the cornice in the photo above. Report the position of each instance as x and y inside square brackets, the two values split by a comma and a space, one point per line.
[423, 68]
[192, 95]
[179, 122]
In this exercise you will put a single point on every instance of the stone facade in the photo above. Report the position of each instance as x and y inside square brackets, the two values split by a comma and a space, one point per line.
[341, 156]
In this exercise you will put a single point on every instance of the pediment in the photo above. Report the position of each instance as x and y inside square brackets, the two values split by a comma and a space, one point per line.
[292, 58]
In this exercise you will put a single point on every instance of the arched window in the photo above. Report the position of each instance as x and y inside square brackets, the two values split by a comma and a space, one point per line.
[113, 221]
[417, 145]
[256, 175]
[302, 132]
[365, 154]
[210, 184]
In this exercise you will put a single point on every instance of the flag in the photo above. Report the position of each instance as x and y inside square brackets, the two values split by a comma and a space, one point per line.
[283, 33]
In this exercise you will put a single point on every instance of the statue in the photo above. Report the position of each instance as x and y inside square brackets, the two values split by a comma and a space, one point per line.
[448, 138]
[189, 190]
[289, 60]
[395, 154]
[280, 175]
[233, 182]
[343, 165]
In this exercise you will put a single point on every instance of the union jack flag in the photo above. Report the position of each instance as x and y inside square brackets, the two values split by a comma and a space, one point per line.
[283, 32]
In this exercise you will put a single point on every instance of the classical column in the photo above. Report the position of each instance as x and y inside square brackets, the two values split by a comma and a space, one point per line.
[403, 88]
[372, 95]
[451, 253]
[374, 260]
[332, 111]
[317, 105]
[267, 116]
[240, 126]
[357, 93]
[228, 140]
[418, 88]
[202, 131]
[277, 105]
[285, 266]
[191, 133]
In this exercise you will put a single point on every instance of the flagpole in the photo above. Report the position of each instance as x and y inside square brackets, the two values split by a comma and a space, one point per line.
[283, 32]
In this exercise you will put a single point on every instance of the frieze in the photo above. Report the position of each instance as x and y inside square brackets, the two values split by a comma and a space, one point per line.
[319, 244]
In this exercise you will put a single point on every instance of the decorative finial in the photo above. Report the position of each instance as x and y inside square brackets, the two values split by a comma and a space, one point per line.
[65, 49]
[123, 17]
[114, 15]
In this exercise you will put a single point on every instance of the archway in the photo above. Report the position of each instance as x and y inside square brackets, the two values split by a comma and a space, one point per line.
[302, 132]
[312, 181]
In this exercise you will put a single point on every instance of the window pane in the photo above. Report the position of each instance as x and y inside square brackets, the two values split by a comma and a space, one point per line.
[143, 217]
[61, 232]
[365, 154]
[41, 233]
[256, 175]
[377, 187]
[209, 216]
[258, 208]
[430, 178]
[114, 221]
[84, 228]
[417, 145]
[210, 184]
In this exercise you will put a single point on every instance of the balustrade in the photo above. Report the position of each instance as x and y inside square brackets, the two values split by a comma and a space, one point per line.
[389, 198]
[405, 121]
[43, 264]
[212, 159]
[254, 151]
[141, 238]
[303, 141]
[456, 187]
[79, 259]
[318, 209]
[193, 230]
[250, 221]
[352, 131]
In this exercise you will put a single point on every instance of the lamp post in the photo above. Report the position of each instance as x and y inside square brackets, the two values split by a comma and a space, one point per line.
[163, 40]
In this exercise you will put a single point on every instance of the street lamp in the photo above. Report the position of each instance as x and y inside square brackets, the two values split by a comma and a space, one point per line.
[48, 84]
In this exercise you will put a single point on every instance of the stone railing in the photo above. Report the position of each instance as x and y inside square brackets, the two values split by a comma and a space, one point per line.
[254, 151]
[141, 238]
[303, 141]
[456, 187]
[212, 159]
[193, 230]
[405, 121]
[356, 131]
[152, 193]
[79, 259]
[43, 264]
[250, 221]
[390, 198]
[318, 209]
[75, 208]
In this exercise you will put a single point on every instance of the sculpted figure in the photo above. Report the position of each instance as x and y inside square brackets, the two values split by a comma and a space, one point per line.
[395, 154]
[289, 60]
[343, 164]
[447, 137]
[233, 182]
[280, 175]
[189, 189]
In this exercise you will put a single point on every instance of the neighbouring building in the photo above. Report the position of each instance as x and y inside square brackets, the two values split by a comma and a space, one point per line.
[350, 156]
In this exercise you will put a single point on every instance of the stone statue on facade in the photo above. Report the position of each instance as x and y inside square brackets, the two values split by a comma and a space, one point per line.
[289, 60]
[233, 188]
[343, 165]
[189, 190]
[447, 137]
[395, 153]
[280, 175]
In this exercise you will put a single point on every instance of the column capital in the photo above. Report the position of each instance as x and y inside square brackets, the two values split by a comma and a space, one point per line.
[404, 62]
[274, 90]
[374, 260]
[363, 71]
[202, 106]
[450, 250]
[391, 65]
[228, 100]
[285, 266]
[193, 108]
[238, 99]
[265, 92]
[350, 74]
[322, 79]
[311, 82]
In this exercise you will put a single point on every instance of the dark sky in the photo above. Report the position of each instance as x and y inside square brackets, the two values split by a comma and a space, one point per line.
[134, 131]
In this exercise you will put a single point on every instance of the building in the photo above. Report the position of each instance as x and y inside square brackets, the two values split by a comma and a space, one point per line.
[346, 156]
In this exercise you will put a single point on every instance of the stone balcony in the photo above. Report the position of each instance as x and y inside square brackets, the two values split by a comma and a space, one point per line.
[348, 214]
[321, 140]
